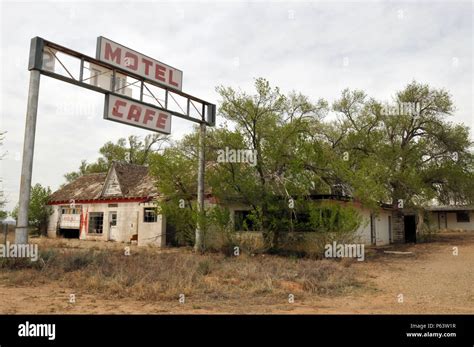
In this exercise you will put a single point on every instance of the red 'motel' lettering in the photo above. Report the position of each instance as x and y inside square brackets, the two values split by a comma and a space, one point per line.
[112, 55]
[129, 57]
[147, 63]
[171, 79]
[115, 109]
[160, 72]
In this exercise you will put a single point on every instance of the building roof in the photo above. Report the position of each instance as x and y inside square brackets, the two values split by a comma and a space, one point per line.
[450, 208]
[134, 182]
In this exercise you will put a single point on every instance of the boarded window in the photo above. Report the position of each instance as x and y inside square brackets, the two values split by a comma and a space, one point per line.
[462, 217]
[96, 222]
[149, 215]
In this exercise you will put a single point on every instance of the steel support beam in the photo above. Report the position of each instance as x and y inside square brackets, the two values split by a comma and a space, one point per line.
[21, 232]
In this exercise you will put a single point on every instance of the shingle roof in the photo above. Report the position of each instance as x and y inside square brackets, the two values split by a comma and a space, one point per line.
[135, 182]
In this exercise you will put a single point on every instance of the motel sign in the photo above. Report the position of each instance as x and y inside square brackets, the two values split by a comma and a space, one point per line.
[139, 91]
[131, 61]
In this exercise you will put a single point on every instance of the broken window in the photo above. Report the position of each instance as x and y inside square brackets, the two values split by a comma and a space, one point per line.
[96, 222]
[70, 210]
[149, 215]
[462, 217]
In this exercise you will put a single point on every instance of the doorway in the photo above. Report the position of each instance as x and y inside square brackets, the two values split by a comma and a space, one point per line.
[410, 229]
[69, 233]
[113, 232]
[171, 240]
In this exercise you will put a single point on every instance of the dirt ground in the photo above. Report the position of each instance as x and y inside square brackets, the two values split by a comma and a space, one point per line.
[431, 280]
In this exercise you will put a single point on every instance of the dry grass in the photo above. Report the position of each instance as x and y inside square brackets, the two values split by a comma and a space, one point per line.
[150, 275]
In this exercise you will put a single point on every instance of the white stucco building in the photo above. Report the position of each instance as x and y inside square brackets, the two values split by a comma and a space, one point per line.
[452, 217]
[375, 227]
[113, 206]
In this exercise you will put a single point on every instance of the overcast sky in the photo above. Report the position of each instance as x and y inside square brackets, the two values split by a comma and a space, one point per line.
[317, 48]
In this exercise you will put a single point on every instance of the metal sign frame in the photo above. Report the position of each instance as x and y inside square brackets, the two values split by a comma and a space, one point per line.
[36, 67]
[38, 45]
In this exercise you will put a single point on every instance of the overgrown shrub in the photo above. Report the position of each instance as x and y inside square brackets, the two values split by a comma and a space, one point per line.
[150, 275]
[182, 216]
[328, 222]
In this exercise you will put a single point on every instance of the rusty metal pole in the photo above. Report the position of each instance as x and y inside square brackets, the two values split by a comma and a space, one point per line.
[21, 232]
[198, 245]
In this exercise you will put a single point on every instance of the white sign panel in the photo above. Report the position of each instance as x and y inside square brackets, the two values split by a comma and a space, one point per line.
[130, 60]
[70, 221]
[134, 113]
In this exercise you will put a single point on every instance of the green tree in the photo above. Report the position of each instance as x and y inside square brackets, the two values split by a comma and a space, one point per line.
[410, 152]
[39, 211]
[133, 150]
[276, 127]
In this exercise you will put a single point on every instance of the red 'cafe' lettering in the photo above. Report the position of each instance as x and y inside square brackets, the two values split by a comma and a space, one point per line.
[130, 112]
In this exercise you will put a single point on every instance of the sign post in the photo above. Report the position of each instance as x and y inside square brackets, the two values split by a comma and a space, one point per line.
[198, 244]
[21, 232]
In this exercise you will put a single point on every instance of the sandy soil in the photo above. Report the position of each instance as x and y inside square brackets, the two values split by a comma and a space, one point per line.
[431, 280]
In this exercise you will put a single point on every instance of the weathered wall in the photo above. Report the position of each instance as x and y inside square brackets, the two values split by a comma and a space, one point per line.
[452, 222]
[151, 233]
[363, 233]
[53, 221]
[129, 222]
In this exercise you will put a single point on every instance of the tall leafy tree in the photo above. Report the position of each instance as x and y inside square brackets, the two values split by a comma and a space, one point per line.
[275, 128]
[39, 210]
[408, 152]
[133, 150]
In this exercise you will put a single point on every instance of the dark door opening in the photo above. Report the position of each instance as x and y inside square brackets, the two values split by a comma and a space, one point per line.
[69, 233]
[410, 229]
[171, 236]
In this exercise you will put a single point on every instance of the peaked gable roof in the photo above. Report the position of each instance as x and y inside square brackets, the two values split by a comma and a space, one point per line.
[112, 184]
[134, 181]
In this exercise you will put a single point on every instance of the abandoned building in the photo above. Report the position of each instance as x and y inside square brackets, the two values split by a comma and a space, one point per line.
[112, 206]
[452, 217]
[118, 206]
